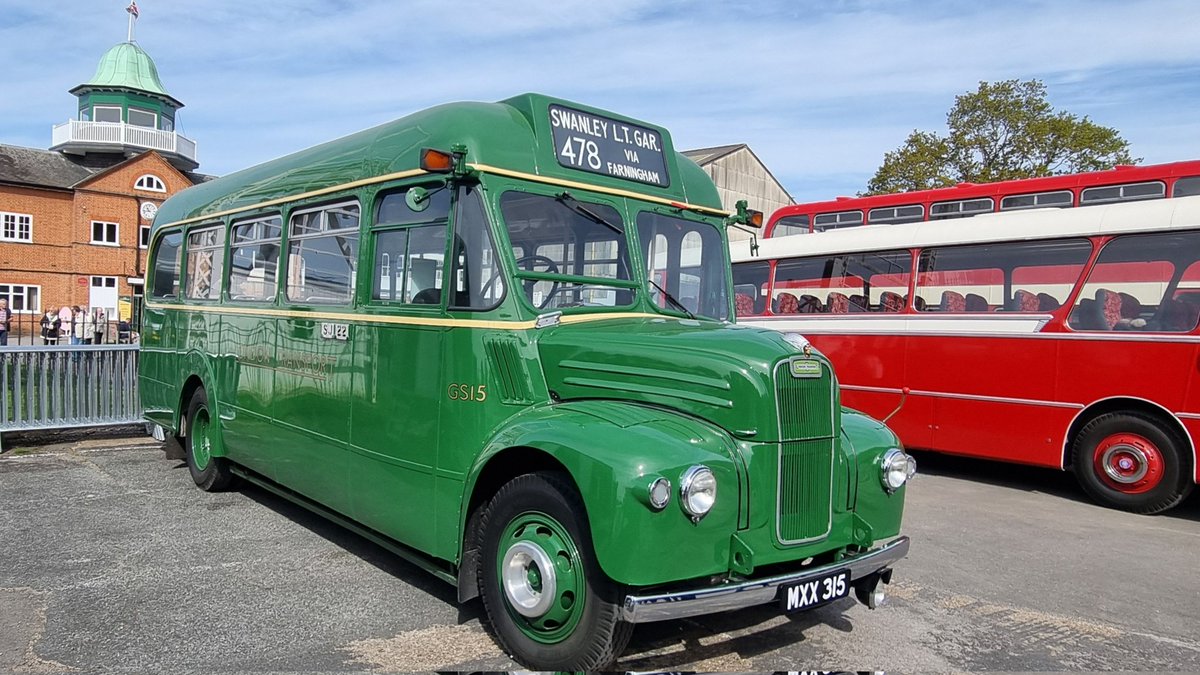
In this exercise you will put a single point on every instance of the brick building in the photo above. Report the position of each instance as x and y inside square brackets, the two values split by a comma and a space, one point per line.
[75, 219]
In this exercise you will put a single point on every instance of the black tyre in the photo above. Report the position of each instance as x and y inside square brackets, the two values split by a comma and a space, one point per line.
[1130, 462]
[202, 445]
[547, 602]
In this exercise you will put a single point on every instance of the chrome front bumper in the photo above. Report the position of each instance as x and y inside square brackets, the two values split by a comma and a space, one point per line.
[647, 608]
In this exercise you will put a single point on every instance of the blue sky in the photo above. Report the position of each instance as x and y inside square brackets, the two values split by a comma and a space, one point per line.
[820, 90]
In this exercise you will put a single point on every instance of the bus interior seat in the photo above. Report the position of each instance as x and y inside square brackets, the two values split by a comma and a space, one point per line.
[1047, 302]
[750, 294]
[1023, 301]
[788, 304]
[1131, 307]
[858, 303]
[1109, 303]
[811, 304]
[428, 296]
[976, 303]
[743, 304]
[837, 303]
[891, 302]
[1176, 316]
[918, 303]
[953, 301]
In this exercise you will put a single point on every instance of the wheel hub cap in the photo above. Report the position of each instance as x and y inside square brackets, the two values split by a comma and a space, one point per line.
[1129, 463]
[528, 579]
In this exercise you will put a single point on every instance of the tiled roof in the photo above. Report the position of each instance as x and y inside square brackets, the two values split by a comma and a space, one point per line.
[42, 168]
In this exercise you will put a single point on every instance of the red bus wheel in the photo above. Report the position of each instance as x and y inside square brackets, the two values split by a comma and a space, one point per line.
[1130, 462]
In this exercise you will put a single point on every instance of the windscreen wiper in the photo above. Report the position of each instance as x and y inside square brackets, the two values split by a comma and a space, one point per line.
[671, 299]
[569, 200]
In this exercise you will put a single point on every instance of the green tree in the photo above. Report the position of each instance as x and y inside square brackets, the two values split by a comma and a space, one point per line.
[1002, 131]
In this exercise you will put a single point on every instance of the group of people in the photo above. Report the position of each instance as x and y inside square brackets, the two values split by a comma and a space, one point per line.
[74, 325]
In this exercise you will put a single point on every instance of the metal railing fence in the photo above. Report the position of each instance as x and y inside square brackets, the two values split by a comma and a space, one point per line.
[62, 387]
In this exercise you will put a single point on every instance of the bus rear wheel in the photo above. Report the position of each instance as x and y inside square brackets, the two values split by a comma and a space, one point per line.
[1130, 462]
[202, 446]
[548, 603]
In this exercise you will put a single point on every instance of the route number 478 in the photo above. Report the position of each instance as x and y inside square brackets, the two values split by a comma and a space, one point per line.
[580, 151]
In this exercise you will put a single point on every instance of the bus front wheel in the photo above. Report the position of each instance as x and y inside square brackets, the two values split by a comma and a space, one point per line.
[1130, 462]
[547, 601]
[210, 471]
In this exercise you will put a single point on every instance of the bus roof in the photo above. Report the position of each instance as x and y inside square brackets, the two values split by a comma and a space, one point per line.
[514, 135]
[1157, 214]
[1118, 175]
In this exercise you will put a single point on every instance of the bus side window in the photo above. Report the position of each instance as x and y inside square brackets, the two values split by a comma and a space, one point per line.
[1136, 281]
[165, 283]
[205, 262]
[409, 265]
[323, 255]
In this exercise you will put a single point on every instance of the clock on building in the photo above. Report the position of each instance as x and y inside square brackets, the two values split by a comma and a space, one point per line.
[148, 210]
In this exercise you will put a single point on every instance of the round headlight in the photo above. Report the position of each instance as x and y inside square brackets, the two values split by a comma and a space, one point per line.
[698, 491]
[660, 493]
[897, 467]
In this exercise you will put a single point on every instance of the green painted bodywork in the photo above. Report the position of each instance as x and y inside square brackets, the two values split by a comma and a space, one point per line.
[375, 427]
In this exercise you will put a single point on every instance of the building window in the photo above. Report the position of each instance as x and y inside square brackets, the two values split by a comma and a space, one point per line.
[144, 236]
[105, 234]
[107, 113]
[143, 118]
[16, 227]
[22, 298]
[151, 183]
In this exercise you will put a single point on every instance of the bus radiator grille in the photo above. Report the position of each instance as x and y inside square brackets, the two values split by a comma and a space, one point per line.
[805, 490]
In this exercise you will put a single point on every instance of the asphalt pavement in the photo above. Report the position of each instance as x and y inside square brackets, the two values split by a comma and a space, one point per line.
[111, 560]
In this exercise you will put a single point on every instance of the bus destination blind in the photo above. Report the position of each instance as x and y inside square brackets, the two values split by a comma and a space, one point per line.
[609, 147]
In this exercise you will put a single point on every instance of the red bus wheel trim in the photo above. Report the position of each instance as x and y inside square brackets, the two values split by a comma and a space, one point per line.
[1128, 463]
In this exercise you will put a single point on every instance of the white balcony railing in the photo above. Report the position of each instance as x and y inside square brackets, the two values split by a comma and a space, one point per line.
[99, 134]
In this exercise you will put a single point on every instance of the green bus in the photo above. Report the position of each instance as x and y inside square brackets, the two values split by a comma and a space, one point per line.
[498, 340]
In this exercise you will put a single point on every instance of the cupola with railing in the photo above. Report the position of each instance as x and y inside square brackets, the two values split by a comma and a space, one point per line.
[125, 109]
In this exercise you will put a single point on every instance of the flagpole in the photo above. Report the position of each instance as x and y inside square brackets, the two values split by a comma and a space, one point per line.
[131, 18]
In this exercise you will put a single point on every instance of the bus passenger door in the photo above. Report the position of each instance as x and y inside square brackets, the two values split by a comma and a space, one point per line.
[397, 389]
[315, 365]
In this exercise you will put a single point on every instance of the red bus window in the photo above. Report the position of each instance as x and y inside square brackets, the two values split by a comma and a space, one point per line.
[1128, 287]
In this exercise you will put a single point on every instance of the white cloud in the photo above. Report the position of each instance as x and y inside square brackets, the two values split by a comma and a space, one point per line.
[820, 90]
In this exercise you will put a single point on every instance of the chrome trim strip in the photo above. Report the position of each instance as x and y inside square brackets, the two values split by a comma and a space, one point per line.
[682, 604]
[826, 369]
[967, 397]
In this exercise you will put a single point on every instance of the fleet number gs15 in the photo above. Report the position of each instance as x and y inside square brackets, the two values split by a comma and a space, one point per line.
[467, 392]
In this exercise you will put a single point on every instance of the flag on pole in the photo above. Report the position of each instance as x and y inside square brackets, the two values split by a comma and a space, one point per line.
[132, 9]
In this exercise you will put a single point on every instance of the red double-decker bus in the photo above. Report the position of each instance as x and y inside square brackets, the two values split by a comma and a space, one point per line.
[1124, 183]
[1054, 337]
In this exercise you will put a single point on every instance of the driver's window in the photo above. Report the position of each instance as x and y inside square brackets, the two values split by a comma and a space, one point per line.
[477, 278]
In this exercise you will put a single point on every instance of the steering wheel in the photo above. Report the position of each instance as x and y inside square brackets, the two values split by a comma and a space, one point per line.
[528, 262]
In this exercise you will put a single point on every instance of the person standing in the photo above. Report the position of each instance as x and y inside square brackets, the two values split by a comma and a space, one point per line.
[89, 325]
[101, 326]
[77, 321]
[50, 326]
[64, 323]
[5, 317]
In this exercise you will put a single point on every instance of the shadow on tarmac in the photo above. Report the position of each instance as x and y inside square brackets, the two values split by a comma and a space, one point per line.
[1054, 482]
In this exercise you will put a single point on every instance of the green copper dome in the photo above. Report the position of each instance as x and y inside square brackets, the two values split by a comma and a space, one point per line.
[128, 66]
